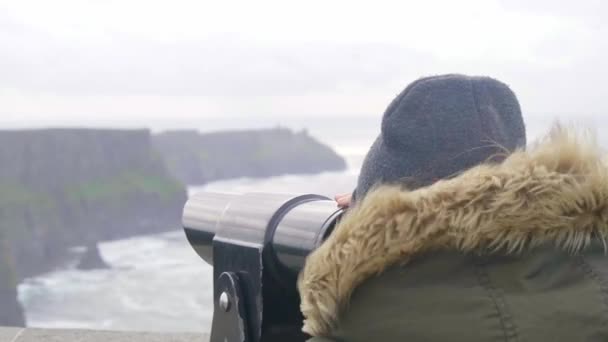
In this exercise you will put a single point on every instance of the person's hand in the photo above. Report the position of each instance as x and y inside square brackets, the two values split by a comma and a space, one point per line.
[343, 200]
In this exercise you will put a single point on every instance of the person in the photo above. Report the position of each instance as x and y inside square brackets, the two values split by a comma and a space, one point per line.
[456, 232]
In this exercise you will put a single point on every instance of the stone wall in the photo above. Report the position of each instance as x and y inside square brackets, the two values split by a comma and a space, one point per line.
[62, 335]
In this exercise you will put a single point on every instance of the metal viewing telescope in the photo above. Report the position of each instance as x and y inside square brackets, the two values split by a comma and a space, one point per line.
[257, 244]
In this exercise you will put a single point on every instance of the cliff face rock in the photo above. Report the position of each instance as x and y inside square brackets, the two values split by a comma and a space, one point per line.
[68, 187]
[92, 259]
[71, 187]
[196, 158]
[11, 313]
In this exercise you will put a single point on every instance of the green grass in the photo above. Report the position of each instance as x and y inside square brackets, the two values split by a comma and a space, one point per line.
[12, 195]
[124, 184]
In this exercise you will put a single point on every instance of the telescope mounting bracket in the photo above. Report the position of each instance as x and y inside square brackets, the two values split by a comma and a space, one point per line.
[229, 319]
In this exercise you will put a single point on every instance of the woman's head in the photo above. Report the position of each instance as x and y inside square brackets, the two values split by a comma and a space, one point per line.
[442, 125]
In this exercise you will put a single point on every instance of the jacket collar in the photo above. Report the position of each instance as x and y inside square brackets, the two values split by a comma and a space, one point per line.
[555, 192]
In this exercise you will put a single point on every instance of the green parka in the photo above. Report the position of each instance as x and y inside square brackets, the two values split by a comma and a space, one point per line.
[507, 252]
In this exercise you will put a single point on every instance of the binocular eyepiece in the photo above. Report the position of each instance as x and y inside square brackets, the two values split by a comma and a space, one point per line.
[257, 243]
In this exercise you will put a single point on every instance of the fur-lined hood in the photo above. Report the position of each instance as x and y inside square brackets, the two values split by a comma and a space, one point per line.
[556, 192]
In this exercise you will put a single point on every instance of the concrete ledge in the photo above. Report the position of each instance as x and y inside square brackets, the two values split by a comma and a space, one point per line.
[65, 335]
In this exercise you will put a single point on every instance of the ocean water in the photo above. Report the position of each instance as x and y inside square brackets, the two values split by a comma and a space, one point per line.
[157, 282]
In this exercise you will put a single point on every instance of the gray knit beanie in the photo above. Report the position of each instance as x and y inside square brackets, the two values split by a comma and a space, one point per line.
[440, 126]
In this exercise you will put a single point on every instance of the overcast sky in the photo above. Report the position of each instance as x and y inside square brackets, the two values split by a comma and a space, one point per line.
[133, 62]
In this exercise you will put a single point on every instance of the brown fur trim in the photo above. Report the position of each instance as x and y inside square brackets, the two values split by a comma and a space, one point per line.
[556, 192]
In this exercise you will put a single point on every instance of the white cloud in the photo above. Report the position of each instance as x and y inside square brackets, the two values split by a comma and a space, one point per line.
[131, 59]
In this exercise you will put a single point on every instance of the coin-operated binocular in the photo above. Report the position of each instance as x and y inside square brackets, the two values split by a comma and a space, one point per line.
[257, 244]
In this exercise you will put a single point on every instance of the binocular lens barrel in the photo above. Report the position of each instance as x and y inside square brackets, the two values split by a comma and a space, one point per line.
[201, 218]
[290, 226]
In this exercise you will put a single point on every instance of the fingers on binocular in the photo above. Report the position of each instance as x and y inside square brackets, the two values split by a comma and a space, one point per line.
[343, 200]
